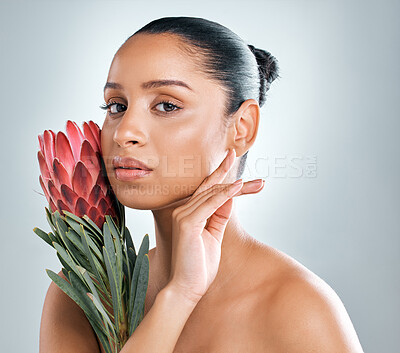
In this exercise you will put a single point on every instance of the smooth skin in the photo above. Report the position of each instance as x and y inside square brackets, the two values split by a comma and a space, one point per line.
[212, 286]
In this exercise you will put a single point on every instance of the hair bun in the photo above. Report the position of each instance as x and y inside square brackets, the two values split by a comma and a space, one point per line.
[268, 69]
[267, 63]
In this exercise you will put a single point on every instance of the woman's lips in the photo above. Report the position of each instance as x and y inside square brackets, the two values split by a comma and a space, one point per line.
[130, 174]
[129, 162]
[129, 168]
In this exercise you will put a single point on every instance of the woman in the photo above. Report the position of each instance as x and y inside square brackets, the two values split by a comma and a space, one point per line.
[182, 99]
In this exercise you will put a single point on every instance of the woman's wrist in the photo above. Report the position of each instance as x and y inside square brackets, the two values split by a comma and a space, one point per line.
[161, 327]
[173, 293]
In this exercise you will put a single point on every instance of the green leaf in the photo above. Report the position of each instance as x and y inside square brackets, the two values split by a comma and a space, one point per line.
[113, 285]
[144, 248]
[102, 337]
[101, 309]
[96, 248]
[126, 281]
[75, 239]
[138, 308]
[87, 223]
[117, 239]
[81, 289]
[130, 254]
[66, 288]
[65, 272]
[88, 281]
[58, 219]
[76, 229]
[73, 223]
[92, 224]
[120, 216]
[67, 258]
[73, 292]
[74, 252]
[109, 245]
[118, 247]
[100, 268]
[132, 258]
[50, 220]
[93, 265]
[43, 235]
[129, 242]
[52, 237]
[66, 266]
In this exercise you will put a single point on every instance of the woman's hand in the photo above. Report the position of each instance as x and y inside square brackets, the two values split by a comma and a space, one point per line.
[198, 228]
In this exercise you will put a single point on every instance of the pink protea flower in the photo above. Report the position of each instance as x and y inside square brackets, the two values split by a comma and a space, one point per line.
[73, 175]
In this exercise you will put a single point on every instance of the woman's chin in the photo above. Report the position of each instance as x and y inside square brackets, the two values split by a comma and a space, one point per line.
[151, 202]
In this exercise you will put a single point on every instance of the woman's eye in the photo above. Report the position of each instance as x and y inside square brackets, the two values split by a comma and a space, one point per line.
[168, 107]
[113, 107]
[116, 108]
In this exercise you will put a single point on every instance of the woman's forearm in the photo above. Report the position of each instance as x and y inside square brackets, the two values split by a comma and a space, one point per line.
[160, 329]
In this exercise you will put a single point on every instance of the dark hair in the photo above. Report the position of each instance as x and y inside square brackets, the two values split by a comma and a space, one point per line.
[242, 70]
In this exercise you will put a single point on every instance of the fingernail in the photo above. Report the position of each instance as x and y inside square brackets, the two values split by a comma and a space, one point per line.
[258, 181]
[237, 182]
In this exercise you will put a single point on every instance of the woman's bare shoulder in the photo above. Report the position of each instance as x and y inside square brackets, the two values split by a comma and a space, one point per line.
[64, 326]
[301, 311]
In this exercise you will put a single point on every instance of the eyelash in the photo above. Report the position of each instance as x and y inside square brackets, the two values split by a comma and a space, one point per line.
[109, 105]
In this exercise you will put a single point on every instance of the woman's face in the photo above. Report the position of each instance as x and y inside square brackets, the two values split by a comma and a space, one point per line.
[176, 131]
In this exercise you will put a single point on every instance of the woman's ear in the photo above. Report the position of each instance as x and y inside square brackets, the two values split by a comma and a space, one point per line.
[245, 127]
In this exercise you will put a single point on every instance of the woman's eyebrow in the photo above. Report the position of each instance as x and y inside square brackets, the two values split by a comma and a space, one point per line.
[151, 84]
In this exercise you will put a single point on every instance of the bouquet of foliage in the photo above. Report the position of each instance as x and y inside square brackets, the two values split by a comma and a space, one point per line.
[89, 234]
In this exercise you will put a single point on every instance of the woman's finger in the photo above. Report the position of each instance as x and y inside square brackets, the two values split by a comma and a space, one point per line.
[199, 198]
[215, 199]
[219, 174]
[248, 187]
[251, 187]
[216, 224]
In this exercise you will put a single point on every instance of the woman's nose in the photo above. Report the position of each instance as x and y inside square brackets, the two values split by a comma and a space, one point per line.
[130, 130]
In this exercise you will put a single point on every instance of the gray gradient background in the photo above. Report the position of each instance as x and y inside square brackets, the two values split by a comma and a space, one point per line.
[337, 101]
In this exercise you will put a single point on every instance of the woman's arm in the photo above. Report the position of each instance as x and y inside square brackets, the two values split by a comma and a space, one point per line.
[160, 329]
[64, 327]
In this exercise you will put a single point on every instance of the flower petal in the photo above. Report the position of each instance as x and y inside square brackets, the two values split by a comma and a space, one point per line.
[103, 206]
[61, 175]
[111, 211]
[87, 131]
[61, 206]
[81, 207]
[48, 148]
[41, 143]
[53, 207]
[96, 132]
[44, 171]
[99, 221]
[54, 193]
[64, 152]
[95, 196]
[82, 182]
[68, 196]
[90, 159]
[75, 138]
[94, 214]
[103, 183]
[44, 188]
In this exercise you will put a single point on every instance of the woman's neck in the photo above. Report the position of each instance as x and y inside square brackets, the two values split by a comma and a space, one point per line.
[235, 250]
